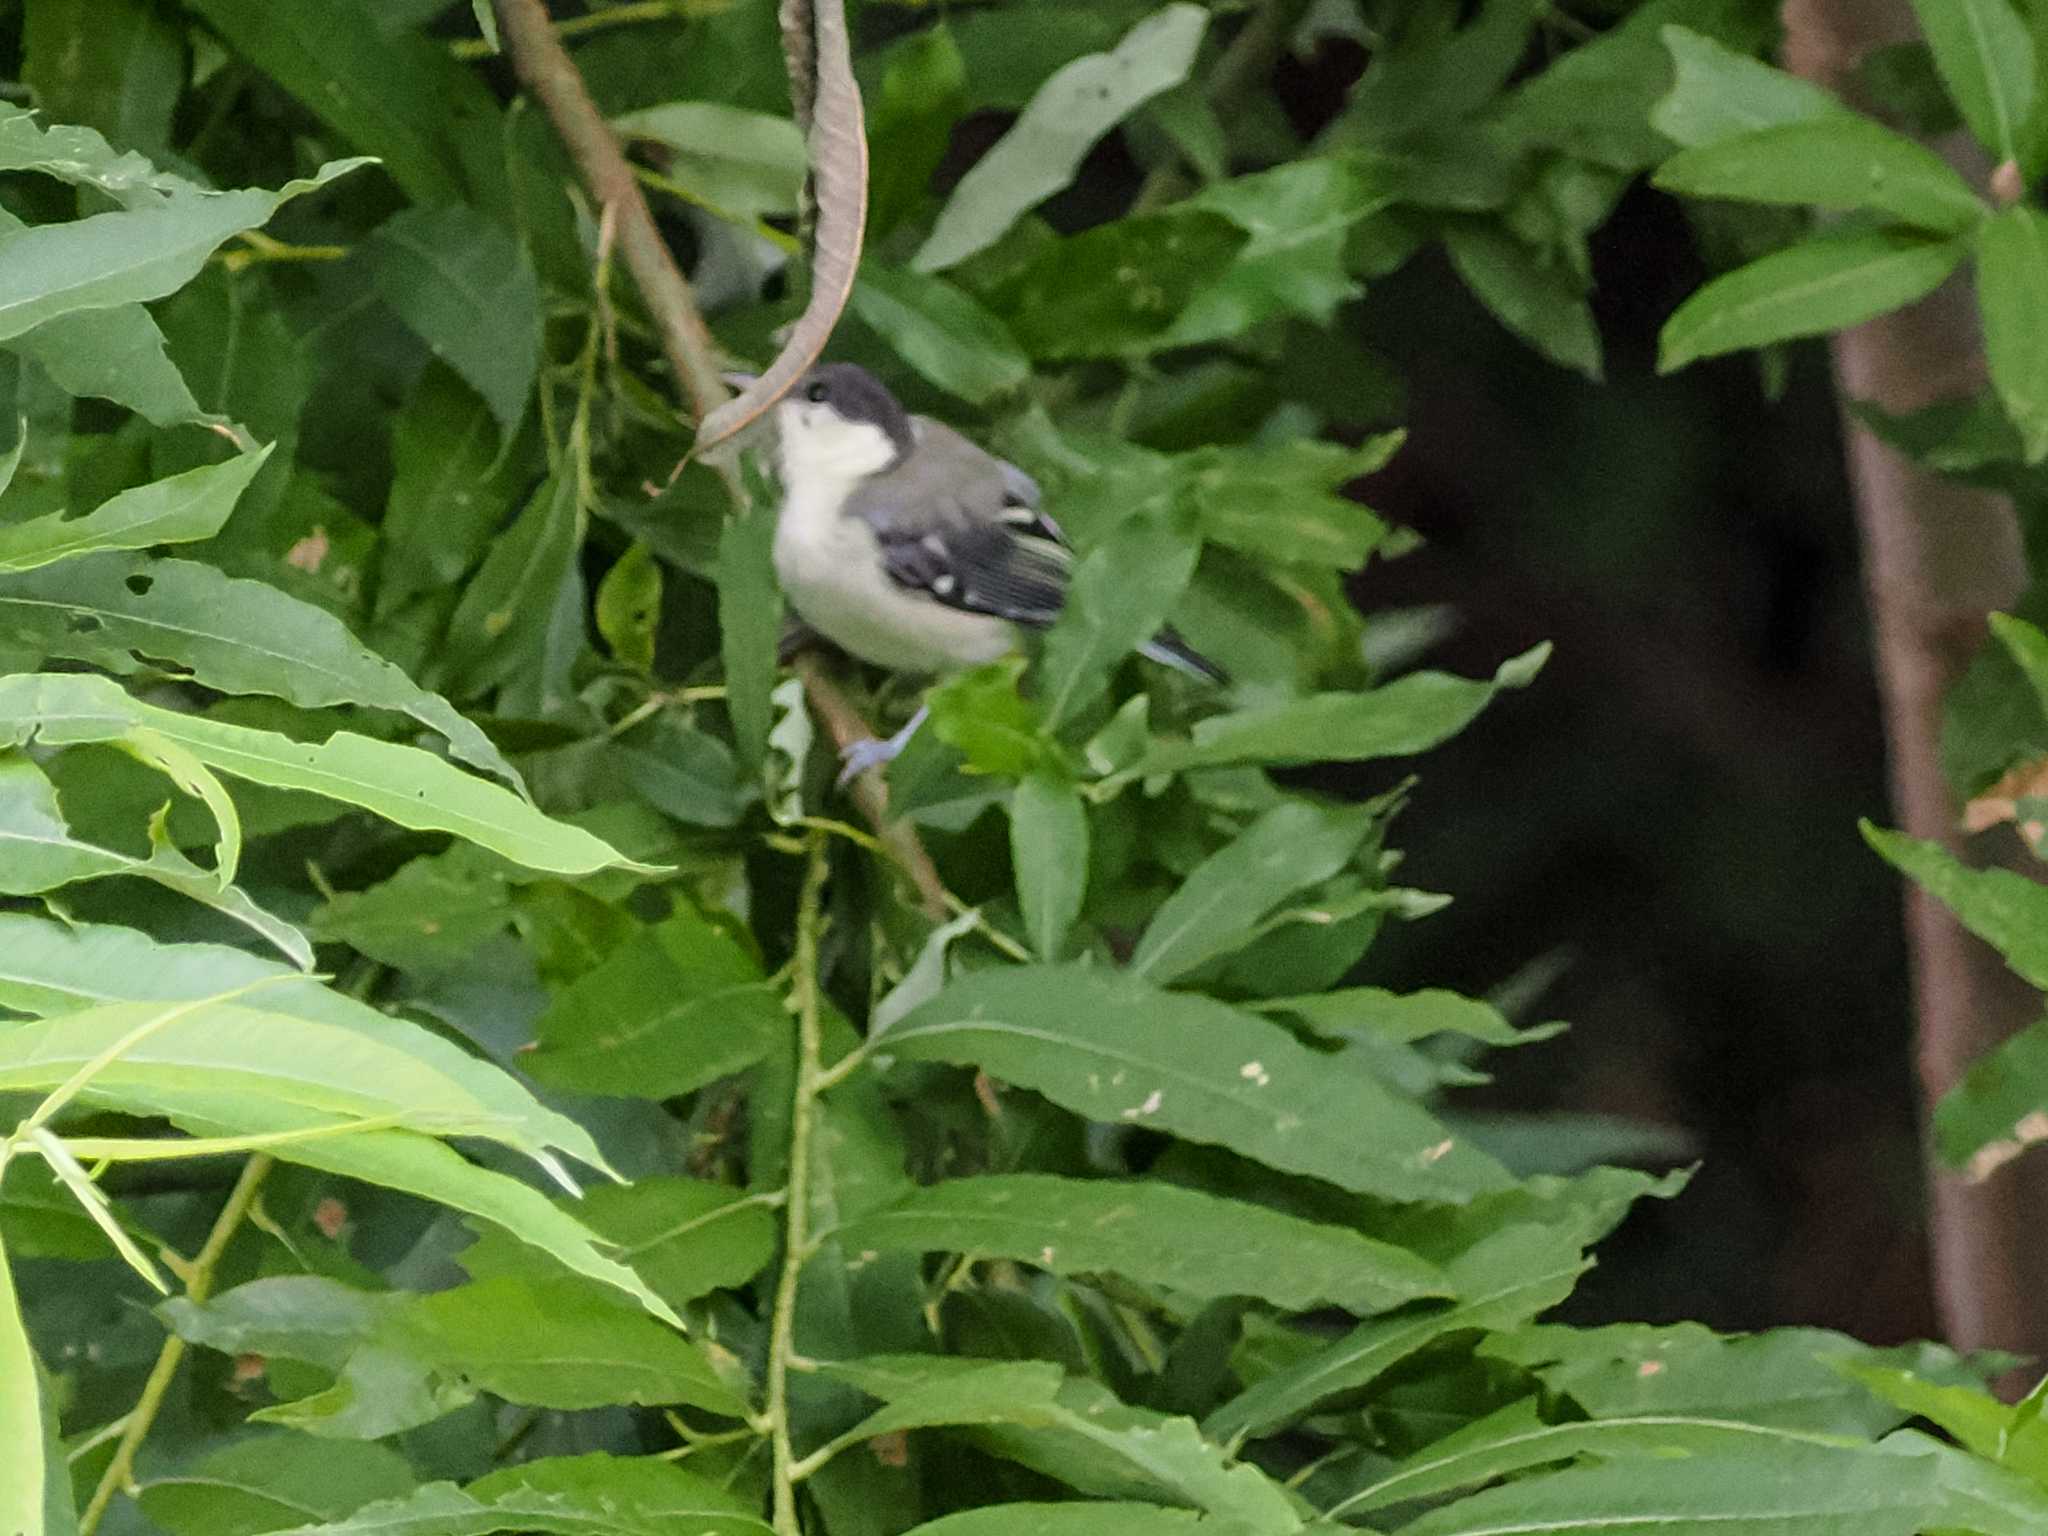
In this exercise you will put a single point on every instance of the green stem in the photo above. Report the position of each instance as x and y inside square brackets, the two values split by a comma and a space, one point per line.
[198, 1285]
[804, 996]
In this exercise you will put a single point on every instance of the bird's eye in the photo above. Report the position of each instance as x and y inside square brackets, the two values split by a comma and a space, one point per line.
[817, 391]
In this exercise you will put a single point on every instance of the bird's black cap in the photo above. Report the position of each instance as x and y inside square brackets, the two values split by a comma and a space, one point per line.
[857, 395]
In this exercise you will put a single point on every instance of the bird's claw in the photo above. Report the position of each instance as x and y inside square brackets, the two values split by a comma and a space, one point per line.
[857, 757]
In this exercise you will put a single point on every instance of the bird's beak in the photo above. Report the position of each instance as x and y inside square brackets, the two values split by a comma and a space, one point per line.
[739, 380]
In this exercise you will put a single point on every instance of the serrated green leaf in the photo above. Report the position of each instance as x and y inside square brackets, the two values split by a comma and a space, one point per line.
[2006, 910]
[231, 636]
[1119, 596]
[112, 354]
[2011, 1435]
[468, 289]
[499, 630]
[177, 509]
[1401, 1018]
[1542, 302]
[1049, 851]
[750, 606]
[1986, 58]
[42, 855]
[1108, 1046]
[270, 1482]
[1505, 1279]
[441, 1509]
[1834, 161]
[1044, 148]
[24, 1494]
[1825, 284]
[1284, 501]
[49, 968]
[941, 331]
[451, 486]
[1117, 288]
[679, 1006]
[2012, 289]
[1153, 1233]
[133, 254]
[1721, 93]
[1997, 1110]
[1218, 907]
[1409, 715]
[402, 784]
[1104, 1518]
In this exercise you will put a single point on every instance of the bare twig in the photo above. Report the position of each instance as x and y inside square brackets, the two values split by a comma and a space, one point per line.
[545, 66]
[1938, 557]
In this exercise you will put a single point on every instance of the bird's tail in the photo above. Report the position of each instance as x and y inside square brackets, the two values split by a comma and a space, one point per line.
[1168, 648]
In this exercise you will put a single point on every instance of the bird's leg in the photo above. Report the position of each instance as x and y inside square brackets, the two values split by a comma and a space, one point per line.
[857, 757]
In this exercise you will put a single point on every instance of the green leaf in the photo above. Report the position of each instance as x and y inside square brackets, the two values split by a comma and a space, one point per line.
[393, 95]
[629, 607]
[113, 65]
[910, 123]
[1503, 1280]
[41, 855]
[685, 1237]
[1409, 715]
[1401, 1018]
[1284, 501]
[271, 1482]
[1117, 289]
[746, 164]
[1789, 1377]
[451, 487]
[1217, 908]
[1119, 596]
[402, 784]
[1835, 161]
[232, 636]
[1986, 58]
[2006, 910]
[178, 509]
[549, 1346]
[749, 624]
[1112, 1048]
[984, 714]
[1043, 150]
[1153, 1233]
[2000, 1108]
[29, 1490]
[1084, 1519]
[1791, 1490]
[1976, 1495]
[442, 1509]
[941, 331]
[1049, 850]
[49, 968]
[655, 1495]
[112, 354]
[1299, 217]
[1721, 93]
[1542, 302]
[1097, 1444]
[2012, 288]
[429, 917]
[2012, 1435]
[1514, 1439]
[130, 255]
[500, 626]
[679, 1006]
[467, 288]
[1828, 283]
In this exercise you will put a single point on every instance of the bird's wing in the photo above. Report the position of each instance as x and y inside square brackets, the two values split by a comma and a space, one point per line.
[963, 527]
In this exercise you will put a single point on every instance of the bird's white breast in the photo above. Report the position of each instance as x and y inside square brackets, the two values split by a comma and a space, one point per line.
[830, 566]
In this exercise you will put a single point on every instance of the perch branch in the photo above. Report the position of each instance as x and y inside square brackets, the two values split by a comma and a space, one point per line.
[544, 65]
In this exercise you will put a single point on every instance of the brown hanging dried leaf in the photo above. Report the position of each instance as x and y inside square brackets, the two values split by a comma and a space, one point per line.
[821, 83]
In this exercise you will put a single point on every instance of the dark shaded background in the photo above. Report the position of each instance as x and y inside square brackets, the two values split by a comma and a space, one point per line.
[1671, 810]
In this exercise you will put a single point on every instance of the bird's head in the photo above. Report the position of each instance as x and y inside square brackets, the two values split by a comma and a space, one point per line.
[839, 423]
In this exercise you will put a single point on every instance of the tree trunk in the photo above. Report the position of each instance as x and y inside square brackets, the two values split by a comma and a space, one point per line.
[1938, 557]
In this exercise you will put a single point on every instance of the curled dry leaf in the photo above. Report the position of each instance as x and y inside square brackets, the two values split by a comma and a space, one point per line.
[821, 83]
[2001, 802]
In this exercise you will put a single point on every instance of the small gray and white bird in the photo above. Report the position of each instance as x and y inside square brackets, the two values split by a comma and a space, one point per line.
[909, 546]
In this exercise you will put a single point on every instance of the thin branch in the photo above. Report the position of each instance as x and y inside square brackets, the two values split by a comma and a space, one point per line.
[847, 726]
[804, 997]
[198, 1286]
[546, 69]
